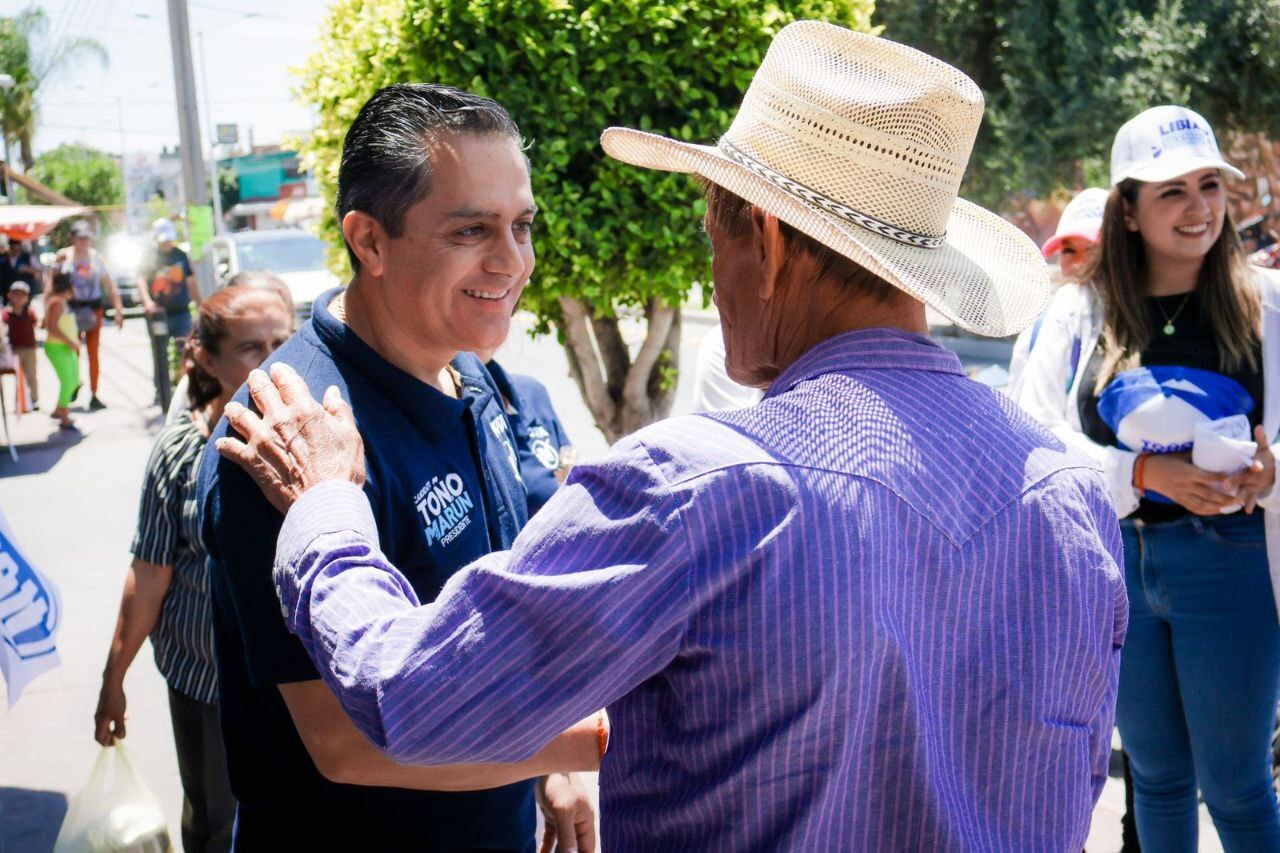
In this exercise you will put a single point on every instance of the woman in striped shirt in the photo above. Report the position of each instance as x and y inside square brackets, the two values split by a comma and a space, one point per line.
[166, 590]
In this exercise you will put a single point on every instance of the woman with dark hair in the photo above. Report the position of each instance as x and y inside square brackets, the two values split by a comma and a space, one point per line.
[62, 345]
[1157, 370]
[166, 590]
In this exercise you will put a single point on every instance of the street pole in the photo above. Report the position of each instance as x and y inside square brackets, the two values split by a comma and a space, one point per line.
[215, 187]
[124, 166]
[194, 185]
[10, 194]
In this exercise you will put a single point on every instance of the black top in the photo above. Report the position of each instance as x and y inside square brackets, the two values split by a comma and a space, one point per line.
[9, 266]
[1191, 345]
[443, 487]
[165, 275]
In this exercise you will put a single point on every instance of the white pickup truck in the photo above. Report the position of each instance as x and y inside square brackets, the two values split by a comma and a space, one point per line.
[296, 256]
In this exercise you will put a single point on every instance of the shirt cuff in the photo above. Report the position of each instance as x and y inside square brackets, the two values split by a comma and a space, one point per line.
[1119, 469]
[328, 507]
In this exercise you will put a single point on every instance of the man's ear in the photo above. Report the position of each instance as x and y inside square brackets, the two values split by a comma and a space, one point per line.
[368, 239]
[771, 248]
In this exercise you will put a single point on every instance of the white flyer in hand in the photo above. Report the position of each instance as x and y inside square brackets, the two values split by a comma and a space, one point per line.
[1223, 446]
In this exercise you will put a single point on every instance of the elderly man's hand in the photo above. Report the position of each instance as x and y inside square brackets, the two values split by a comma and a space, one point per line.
[295, 443]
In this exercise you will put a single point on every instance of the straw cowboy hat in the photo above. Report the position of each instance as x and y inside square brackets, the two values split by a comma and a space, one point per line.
[861, 144]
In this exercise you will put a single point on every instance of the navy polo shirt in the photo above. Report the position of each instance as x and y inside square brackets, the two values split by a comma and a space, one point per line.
[539, 434]
[444, 483]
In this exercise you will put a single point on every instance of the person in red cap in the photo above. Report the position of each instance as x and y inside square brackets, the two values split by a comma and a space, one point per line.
[1072, 243]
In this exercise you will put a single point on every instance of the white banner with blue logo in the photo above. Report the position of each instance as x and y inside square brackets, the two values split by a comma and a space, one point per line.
[30, 613]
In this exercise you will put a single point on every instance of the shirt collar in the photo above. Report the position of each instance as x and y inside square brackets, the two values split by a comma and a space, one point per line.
[868, 349]
[503, 383]
[434, 412]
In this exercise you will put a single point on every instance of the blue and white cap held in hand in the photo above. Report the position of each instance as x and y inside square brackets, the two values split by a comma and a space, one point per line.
[1156, 409]
[1164, 143]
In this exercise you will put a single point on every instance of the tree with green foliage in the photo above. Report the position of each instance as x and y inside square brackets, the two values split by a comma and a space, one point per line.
[228, 187]
[33, 62]
[1061, 76]
[614, 242]
[85, 175]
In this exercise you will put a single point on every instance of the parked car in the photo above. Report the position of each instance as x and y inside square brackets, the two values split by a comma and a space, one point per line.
[295, 255]
[124, 254]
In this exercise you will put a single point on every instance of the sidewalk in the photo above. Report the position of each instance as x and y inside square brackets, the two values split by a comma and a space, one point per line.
[72, 500]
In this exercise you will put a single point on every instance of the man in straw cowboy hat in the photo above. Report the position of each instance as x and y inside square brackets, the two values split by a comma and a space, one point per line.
[880, 610]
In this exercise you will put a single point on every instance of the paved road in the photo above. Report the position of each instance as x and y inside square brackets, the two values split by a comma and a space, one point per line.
[72, 500]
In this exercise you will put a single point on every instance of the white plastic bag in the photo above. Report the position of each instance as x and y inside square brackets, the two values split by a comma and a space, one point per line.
[1223, 445]
[115, 813]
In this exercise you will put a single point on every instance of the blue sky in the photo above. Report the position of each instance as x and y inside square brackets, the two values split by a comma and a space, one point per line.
[249, 47]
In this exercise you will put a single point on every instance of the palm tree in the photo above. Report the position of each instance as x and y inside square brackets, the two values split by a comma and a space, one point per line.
[33, 63]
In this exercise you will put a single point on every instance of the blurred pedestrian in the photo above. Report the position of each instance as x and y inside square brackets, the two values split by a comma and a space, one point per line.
[1173, 330]
[1072, 244]
[18, 263]
[168, 289]
[62, 345]
[21, 320]
[262, 279]
[713, 390]
[90, 284]
[166, 590]
[881, 610]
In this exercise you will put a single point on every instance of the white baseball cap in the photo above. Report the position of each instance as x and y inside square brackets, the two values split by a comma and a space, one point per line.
[164, 232]
[1081, 218]
[1163, 143]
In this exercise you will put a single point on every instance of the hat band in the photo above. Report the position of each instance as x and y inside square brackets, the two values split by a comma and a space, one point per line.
[830, 205]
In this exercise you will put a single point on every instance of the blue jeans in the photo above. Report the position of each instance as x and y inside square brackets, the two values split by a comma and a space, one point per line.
[1198, 681]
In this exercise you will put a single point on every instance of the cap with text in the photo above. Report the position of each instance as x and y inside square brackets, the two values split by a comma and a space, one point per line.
[1164, 143]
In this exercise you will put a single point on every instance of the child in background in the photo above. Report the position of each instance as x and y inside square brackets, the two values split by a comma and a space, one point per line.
[21, 320]
[62, 345]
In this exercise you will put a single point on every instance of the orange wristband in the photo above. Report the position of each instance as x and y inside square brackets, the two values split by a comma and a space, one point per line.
[1138, 467]
[602, 736]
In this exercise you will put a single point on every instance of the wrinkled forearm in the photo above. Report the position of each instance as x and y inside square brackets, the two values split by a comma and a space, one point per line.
[517, 647]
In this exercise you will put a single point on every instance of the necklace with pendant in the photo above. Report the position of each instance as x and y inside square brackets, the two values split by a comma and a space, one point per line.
[1169, 328]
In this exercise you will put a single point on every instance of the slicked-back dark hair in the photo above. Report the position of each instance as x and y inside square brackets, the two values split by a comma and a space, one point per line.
[386, 167]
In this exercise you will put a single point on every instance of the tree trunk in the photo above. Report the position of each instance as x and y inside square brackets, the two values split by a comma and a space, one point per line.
[24, 146]
[623, 392]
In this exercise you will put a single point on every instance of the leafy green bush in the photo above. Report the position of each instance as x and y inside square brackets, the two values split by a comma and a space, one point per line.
[610, 237]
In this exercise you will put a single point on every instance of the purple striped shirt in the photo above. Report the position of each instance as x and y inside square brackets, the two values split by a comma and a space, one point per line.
[881, 610]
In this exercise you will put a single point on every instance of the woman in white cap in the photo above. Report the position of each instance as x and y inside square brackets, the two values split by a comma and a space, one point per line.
[1156, 370]
[91, 284]
[1072, 243]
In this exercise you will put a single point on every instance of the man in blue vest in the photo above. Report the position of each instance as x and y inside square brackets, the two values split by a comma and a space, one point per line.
[437, 212]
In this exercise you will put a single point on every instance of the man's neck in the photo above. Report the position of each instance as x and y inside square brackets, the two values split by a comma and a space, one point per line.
[901, 313]
[358, 307]
[824, 315]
